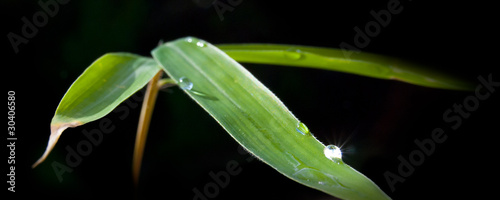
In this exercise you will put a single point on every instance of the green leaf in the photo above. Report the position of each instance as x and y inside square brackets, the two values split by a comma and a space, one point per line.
[258, 120]
[106, 83]
[360, 63]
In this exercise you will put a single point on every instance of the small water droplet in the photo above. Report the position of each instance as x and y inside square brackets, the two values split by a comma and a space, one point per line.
[189, 39]
[293, 54]
[302, 129]
[185, 83]
[333, 153]
[197, 42]
[201, 44]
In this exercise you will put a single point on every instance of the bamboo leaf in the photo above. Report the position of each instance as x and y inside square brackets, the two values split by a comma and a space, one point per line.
[258, 120]
[360, 63]
[103, 85]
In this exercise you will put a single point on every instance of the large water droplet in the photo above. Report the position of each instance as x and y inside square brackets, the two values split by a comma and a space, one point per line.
[293, 54]
[333, 153]
[185, 84]
[302, 129]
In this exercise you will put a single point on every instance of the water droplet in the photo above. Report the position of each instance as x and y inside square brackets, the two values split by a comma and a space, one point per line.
[302, 129]
[185, 84]
[189, 39]
[293, 54]
[197, 42]
[333, 153]
[201, 44]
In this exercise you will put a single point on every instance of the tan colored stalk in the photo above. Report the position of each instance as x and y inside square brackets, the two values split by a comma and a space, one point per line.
[144, 121]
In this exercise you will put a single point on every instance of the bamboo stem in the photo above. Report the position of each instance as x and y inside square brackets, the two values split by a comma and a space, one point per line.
[144, 121]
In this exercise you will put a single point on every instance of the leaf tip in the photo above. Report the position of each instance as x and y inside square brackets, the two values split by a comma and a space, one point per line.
[55, 132]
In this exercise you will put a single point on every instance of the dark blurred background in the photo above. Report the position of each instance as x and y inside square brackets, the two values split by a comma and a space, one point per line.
[376, 120]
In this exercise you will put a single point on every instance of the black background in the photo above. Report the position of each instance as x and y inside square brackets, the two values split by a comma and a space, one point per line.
[377, 120]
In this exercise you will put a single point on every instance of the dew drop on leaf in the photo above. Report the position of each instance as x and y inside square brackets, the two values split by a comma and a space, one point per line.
[185, 83]
[333, 153]
[189, 39]
[201, 44]
[196, 42]
[302, 129]
[293, 54]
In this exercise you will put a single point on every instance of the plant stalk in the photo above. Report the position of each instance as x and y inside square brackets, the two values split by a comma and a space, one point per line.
[144, 121]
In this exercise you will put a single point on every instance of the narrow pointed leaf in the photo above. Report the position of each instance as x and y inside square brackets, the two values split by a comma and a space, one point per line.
[360, 63]
[103, 85]
[258, 120]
